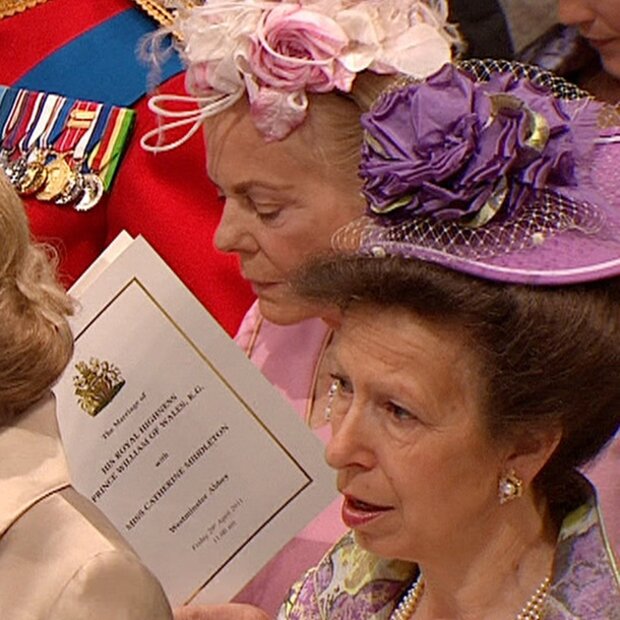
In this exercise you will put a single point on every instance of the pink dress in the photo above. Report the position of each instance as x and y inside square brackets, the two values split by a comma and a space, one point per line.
[289, 357]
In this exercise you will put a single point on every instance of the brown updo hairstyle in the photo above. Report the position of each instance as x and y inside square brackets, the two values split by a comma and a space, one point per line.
[35, 339]
[549, 356]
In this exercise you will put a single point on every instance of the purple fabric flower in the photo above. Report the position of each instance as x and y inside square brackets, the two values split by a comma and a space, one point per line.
[445, 146]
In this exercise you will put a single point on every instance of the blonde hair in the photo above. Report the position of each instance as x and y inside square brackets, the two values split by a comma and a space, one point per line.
[35, 339]
[332, 128]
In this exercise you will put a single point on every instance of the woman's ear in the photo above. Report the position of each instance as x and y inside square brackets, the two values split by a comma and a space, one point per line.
[531, 452]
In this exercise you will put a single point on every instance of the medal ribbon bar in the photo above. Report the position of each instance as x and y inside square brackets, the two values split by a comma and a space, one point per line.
[61, 150]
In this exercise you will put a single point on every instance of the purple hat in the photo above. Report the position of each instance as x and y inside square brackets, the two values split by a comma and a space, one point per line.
[496, 169]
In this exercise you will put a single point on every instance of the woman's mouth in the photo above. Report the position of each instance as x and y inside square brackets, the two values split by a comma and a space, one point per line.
[357, 513]
[601, 44]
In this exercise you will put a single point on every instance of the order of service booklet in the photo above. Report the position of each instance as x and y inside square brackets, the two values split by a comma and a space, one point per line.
[176, 436]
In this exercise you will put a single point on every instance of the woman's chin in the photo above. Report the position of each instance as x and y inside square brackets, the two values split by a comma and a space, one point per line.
[611, 61]
[285, 312]
[375, 545]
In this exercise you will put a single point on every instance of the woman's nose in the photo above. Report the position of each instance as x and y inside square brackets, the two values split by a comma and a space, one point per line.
[575, 12]
[351, 441]
[233, 233]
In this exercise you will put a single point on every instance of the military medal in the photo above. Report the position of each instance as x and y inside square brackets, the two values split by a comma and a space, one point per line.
[33, 177]
[15, 170]
[92, 187]
[15, 112]
[71, 191]
[32, 180]
[93, 121]
[57, 169]
[58, 173]
[70, 146]
[5, 158]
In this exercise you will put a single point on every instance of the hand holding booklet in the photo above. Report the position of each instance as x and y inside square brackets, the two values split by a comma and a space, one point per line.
[175, 435]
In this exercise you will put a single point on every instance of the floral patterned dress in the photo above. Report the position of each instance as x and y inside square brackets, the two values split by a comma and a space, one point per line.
[353, 584]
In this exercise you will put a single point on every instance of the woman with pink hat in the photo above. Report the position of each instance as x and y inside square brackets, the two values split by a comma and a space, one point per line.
[278, 88]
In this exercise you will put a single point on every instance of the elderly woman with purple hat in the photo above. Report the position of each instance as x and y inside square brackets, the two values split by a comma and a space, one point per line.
[476, 362]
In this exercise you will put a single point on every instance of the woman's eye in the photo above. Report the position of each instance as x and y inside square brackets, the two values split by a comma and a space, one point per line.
[268, 216]
[398, 412]
[265, 211]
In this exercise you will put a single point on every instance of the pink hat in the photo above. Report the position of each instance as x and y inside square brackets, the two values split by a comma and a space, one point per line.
[496, 169]
[276, 53]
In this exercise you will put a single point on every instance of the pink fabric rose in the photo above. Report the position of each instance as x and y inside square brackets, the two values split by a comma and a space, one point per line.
[307, 45]
[221, 75]
[276, 114]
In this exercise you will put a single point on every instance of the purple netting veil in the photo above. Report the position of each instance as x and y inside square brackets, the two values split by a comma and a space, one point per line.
[492, 168]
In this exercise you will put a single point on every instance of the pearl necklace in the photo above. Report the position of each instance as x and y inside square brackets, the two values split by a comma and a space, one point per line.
[532, 610]
[408, 605]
